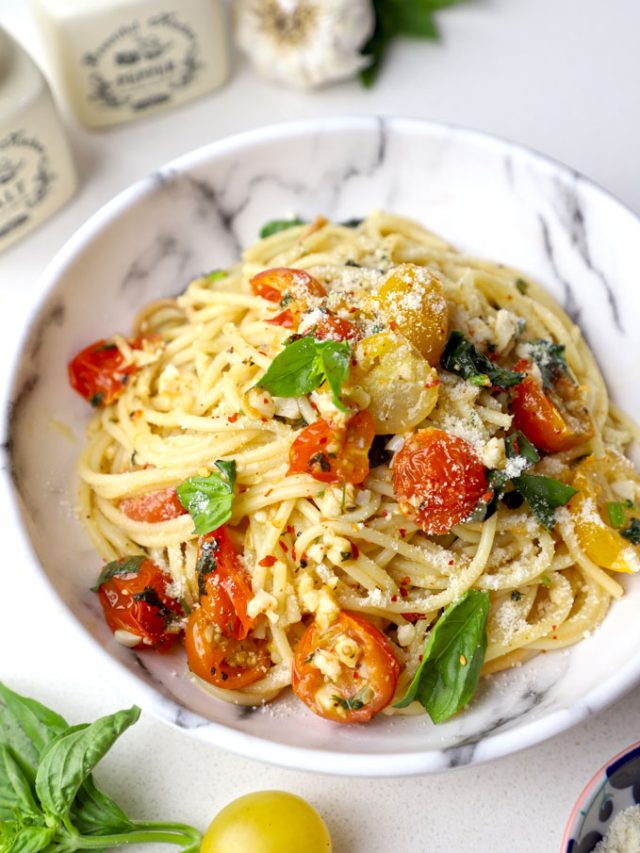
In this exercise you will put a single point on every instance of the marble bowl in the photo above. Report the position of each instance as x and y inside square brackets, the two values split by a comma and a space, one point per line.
[488, 197]
[614, 788]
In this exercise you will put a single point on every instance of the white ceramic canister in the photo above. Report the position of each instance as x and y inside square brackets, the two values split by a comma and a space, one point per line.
[120, 60]
[37, 175]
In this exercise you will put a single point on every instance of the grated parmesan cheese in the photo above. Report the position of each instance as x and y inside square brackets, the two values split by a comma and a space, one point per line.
[624, 833]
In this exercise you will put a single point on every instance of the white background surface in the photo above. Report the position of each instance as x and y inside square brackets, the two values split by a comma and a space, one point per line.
[558, 75]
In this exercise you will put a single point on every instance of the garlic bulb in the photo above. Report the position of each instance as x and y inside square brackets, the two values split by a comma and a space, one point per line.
[304, 43]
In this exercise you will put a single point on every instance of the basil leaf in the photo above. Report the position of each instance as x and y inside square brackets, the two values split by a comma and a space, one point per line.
[550, 359]
[517, 444]
[70, 760]
[632, 532]
[15, 788]
[209, 500]
[27, 727]
[123, 566]
[462, 358]
[215, 275]
[31, 839]
[305, 364]
[95, 813]
[543, 494]
[277, 225]
[615, 511]
[450, 669]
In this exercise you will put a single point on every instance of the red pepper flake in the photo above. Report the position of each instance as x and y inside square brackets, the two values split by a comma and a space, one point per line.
[264, 420]
[267, 561]
[283, 546]
[289, 528]
[432, 383]
[404, 592]
[356, 674]
[487, 496]
[323, 440]
[402, 532]
[554, 627]
[353, 309]
[451, 562]
[355, 551]
[405, 581]
[268, 492]
[394, 598]
[393, 325]
[293, 555]
[412, 617]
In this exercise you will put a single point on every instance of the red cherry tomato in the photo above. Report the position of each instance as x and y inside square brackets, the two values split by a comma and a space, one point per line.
[137, 602]
[438, 479]
[360, 688]
[219, 648]
[160, 505]
[543, 422]
[331, 454]
[287, 319]
[99, 373]
[275, 284]
[331, 328]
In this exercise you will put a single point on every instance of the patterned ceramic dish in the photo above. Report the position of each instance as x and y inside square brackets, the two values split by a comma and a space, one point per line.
[615, 787]
[490, 198]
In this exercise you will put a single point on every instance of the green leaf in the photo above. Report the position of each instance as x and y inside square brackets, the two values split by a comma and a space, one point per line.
[615, 511]
[209, 500]
[30, 839]
[15, 788]
[216, 275]
[277, 225]
[517, 444]
[462, 358]
[27, 727]
[71, 759]
[305, 364]
[550, 359]
[543, 494]
[123, 566]
[95, 813]
[632, 532]
[450, 669]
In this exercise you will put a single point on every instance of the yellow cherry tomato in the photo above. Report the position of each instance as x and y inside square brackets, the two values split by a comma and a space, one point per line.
[267, 822]
[402, 386]
[599, 541]
[412, 300]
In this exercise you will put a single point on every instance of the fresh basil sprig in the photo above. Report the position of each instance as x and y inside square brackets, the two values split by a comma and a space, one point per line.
[277, 225]
[306, 363]
[124, 566]
[209, 500]
[550, 359]
[48, 798]
[450, 669]
[462, 358]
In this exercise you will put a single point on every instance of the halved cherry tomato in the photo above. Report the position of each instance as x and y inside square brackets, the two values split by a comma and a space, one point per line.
[332, 454]
[543, 422]
[276, 283]
[224, 585]
[152, 507]
[99, 373]
[599, 541]
[438, 479]
[221, 660]
[138, 603]
[332, 328]
[287, 319]
[362, 669]
[219, 648]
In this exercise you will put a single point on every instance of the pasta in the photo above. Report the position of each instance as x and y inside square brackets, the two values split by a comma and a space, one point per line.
[381, 527]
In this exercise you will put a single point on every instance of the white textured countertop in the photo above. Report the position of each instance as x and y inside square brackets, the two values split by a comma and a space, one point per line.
[558, 75]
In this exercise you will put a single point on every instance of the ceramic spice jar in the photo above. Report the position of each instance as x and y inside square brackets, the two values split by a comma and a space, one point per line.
[37, 174]
[119, 60]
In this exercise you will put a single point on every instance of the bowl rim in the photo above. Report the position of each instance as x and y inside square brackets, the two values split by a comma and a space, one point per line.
[586, 792]
[168, 709]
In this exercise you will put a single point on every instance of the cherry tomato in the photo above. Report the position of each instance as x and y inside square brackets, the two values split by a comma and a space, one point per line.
[332, 454]
[219, 649]
[267, 822]
[438, 479]
[137, 602]
[152, 507]
[543, 422]
[362, 670]
[275, 284]
[331, 328]
[287, 319]
[224, 585]
[99, 374]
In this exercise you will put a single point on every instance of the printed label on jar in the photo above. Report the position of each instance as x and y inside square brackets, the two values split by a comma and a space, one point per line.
[142, 64]
[25, 179]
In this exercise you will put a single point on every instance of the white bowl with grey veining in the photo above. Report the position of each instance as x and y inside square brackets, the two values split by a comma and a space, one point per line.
[488, 197]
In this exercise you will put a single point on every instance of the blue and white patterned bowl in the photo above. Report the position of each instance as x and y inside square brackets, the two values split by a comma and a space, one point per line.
[490, 198]
[615, 787]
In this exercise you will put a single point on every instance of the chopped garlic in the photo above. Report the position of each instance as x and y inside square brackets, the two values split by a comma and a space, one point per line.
[263, 602]
[126, 638]
[328, 664]
[406, 635]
